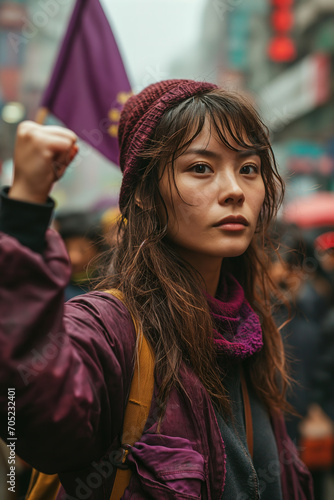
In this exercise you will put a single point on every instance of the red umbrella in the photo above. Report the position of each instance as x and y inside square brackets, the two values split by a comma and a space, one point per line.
[311, 211]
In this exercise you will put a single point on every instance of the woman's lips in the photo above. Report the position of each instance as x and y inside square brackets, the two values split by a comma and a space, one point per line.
[233, 223]
[232, 226]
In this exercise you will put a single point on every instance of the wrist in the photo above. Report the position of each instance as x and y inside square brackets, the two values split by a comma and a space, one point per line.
[20, 193]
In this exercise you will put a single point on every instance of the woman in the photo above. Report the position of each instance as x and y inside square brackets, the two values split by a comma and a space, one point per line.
[200, 186]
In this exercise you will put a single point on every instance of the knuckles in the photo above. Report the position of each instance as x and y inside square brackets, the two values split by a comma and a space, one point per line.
[26, 130]
[43, 145]
[29, 131]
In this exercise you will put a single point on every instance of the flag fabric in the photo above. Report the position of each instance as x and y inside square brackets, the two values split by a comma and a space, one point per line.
[89, 84]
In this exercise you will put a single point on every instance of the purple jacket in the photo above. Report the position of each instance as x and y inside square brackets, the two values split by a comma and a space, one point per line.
[71, 367]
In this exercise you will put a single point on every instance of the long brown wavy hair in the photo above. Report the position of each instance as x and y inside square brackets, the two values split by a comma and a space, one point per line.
[162, 291]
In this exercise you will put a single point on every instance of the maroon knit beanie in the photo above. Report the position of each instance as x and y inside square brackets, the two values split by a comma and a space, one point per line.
[139, 118]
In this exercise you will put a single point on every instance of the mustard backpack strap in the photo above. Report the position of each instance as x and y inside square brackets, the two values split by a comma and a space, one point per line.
[139, 402]
[137, 410]
[45, 487]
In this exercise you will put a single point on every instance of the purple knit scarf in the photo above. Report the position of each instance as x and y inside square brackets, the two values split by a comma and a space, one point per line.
[238, 331]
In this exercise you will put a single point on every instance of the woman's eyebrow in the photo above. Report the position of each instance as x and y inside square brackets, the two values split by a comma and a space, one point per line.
[213, 154]
[248, 152]
[202, 152]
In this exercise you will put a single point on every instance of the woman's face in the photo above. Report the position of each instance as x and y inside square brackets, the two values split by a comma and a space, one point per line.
[220, 194]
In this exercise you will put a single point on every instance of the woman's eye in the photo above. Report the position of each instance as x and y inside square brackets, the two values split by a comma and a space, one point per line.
[249, 169]
[201, 168]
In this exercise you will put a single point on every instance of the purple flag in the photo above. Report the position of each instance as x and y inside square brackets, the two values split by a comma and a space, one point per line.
[89, 85]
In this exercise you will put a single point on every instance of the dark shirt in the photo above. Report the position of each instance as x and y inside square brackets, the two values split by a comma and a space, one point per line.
[246, 478]
[74, 289]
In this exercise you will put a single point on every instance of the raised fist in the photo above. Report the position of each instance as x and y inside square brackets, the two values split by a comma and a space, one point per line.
[42, 154]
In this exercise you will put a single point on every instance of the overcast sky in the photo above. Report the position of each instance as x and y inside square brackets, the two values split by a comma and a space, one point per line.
[152, 33]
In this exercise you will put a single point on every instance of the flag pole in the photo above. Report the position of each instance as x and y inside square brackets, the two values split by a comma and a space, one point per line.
[41, 115]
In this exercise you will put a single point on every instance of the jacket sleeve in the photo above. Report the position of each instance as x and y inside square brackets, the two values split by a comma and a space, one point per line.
[70, 365]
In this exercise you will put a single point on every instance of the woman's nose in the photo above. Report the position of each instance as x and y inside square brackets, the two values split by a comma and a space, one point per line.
[231, 192]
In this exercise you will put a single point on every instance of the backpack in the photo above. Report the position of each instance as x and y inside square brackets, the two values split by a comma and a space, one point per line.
[46, 486]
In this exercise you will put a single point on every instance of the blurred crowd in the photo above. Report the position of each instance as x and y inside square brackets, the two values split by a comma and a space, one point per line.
[304, 273]
[87, 236]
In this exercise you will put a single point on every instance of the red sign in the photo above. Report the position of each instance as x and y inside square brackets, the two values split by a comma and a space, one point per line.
[323, 83]
[282, 20]
[282, 3]
[281, 47]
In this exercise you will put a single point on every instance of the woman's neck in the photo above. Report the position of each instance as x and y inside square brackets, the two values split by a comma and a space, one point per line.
[208, 267]
[211, 278]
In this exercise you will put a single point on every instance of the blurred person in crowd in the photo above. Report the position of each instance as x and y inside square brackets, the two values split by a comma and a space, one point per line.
[303, 305]
[323, 376]
[317, 429]
[324, 249]
[200, 188]
[82, 233]
[307, 294]
[297, 271]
